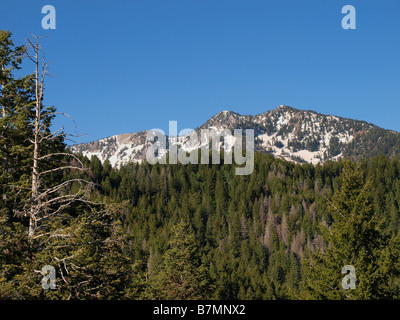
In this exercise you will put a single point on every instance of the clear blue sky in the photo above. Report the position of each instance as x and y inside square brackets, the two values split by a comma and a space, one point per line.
[125, 66]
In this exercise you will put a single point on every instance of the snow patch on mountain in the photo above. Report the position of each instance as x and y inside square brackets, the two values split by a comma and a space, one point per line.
[288, 133]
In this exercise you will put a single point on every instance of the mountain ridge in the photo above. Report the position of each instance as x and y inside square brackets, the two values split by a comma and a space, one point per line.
[286, 132]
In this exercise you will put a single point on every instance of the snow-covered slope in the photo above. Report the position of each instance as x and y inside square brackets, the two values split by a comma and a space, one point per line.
[118, 149]
[287, 133]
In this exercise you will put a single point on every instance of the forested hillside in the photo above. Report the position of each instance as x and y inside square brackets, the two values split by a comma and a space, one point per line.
[146, 231]
[252, 233]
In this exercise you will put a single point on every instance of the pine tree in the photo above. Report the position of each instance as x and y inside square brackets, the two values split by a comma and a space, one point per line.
[16, 101]
[355, 238]
[182, 275]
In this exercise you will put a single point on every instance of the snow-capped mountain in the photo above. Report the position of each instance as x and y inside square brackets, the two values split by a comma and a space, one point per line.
[287, 133]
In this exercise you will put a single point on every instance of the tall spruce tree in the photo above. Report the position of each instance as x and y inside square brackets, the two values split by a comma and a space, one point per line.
[182, 275]
[355, 238]
[16, 103]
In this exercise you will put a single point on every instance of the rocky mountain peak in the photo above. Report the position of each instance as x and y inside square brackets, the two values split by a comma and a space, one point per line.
[286, 132]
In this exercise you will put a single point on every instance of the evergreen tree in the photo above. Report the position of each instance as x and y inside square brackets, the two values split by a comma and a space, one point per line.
[16, 102]
[355, 238]
[182, 275]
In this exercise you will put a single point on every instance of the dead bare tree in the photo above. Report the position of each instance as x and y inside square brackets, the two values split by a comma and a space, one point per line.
[60, 230]
[48, 201]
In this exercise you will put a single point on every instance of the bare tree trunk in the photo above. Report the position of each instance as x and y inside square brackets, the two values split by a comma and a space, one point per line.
[4, 134]
[35, 169]
[42, 197]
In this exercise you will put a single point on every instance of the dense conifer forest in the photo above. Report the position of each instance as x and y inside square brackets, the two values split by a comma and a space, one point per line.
[256, 234]
[184, 231]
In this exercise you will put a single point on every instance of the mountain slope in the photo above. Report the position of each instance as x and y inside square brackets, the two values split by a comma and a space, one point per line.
[285, 132]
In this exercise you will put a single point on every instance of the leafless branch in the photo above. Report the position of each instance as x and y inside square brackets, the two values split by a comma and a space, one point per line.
[53, 135]
[51, 234]
[60, 113]
[62, 185]
[61, 168]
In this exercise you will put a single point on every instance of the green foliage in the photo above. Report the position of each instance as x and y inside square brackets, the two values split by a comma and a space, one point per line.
[181, 274]
[83, 240]
[254, 248]
[195, 231]
[355, 238]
